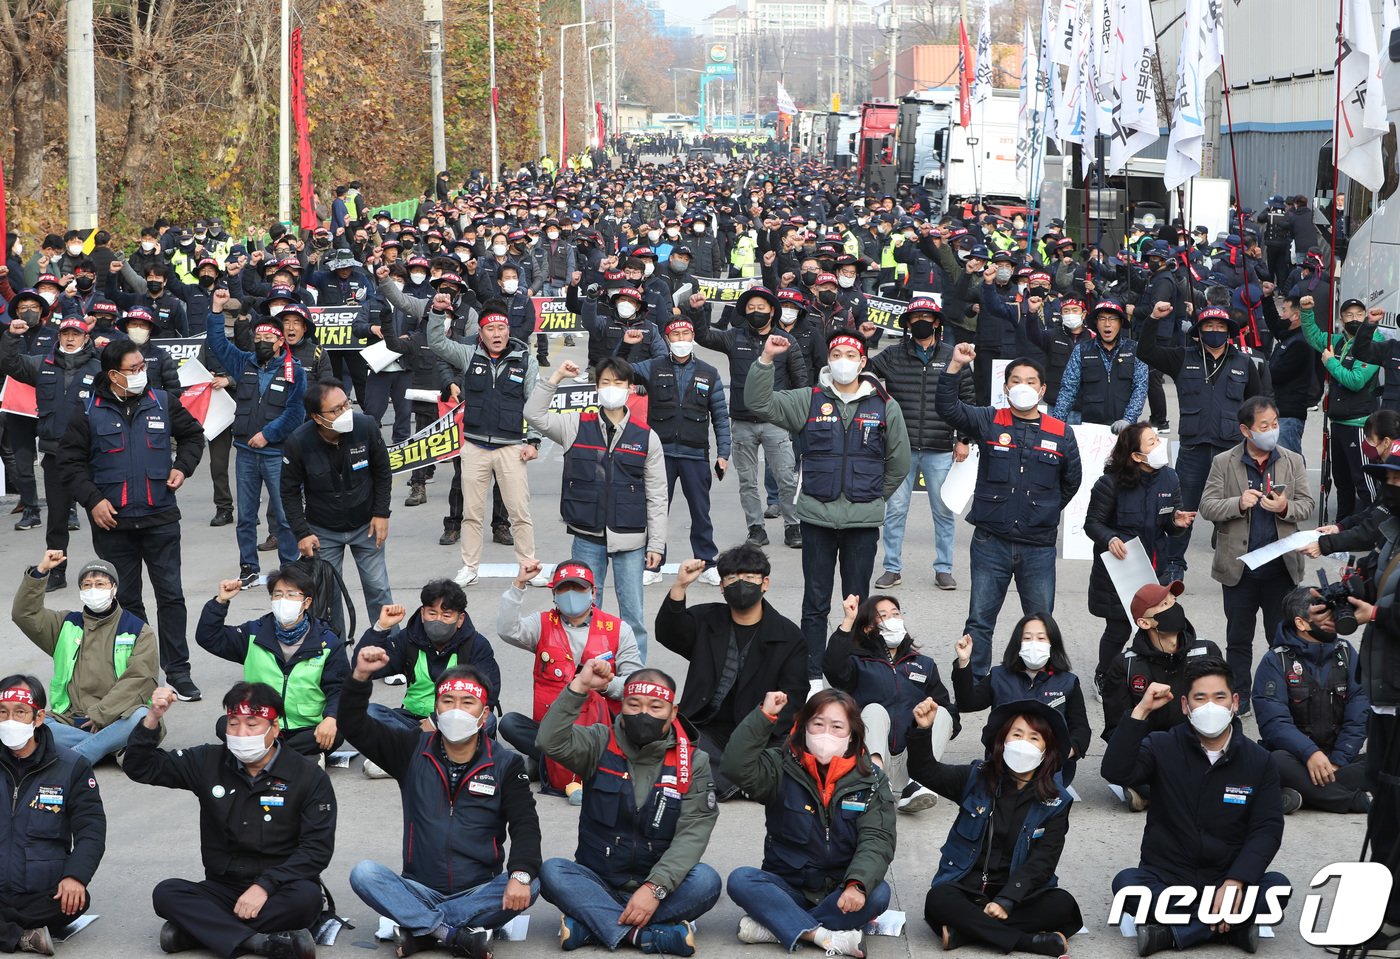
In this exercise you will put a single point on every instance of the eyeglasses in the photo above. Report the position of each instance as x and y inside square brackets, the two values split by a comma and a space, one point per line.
[755, 578]
[288, 594]
[134, 370]
[335, 411]
[21, 713]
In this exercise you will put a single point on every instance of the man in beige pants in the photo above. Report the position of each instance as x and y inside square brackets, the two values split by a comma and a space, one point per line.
[497, 374]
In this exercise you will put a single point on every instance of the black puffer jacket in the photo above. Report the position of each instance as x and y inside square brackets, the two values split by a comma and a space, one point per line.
[912, 383]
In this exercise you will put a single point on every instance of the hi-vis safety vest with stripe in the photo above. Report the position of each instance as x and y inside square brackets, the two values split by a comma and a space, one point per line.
[303, 700]
[70, 641]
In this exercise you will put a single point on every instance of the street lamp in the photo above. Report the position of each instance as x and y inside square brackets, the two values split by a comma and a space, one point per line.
[562, 28]
[675, 96]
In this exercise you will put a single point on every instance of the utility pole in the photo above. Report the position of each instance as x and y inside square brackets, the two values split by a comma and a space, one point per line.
[612, 73]
[893, 56]
[491, 40]
[284, 118]
[539, 49]
[82, 118]
[851, 50]
[586, 117]
[432, 18]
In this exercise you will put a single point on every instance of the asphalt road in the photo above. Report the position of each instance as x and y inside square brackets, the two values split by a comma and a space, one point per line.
[153, 833]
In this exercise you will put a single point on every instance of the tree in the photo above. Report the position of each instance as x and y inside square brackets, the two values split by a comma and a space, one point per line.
[32, 34]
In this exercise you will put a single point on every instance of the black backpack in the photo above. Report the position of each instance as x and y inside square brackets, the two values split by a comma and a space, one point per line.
[332, 601]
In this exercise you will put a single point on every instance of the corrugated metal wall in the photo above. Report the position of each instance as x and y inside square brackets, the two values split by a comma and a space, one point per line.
[1271, 163]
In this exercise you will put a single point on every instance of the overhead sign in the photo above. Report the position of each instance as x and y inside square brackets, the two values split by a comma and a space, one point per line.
[719, 69]
[719, 52]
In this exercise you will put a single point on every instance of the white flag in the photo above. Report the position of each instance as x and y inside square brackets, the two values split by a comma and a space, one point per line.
[982, 78]
[1135, 125]
[785, 104]
[1026, 120]
[1050, 72]
[1064, 32]
[1361, 118]
[1204, 36]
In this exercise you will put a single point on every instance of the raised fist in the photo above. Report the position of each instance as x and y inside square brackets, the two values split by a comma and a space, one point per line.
[370, 660]
[774, 701]
[924, 713]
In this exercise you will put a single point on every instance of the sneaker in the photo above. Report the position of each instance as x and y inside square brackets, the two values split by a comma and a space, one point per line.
[465, 576]
[1152, 937]
[540, 580]
[754, 932]
[710, 577]
[888, 580]
[792, 537]
[945, 581]
[175, 939]
[1098, 686]
[916, 797]
[39, 942]
[248, 576]
[450, 535]
[406, 943]
[1244, 938]
[373, 770]
[573, 934]
[269, 544]
[502, 535]
[838, 942]
[185, 689]
[417, 495]
[651, 577]
[58, 579]
[30, 519]
[758, 536]
[398, 679]
[470, 941]
[773, 512]
[294, 944]
[1136, 802]
[73, 524]
[222, 517]
[1292, 801]
[667, 938]
[1165, 429]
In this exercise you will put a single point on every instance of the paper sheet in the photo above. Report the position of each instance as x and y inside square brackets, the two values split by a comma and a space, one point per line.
[959, 483]
[381, 359]
[1095, 443]
[75, 927]
[888, 923]
[222, 409]
[1130, 574]
[193, 372]
[513, 931]
[422, 396]
[999, 400]
[1267, 554]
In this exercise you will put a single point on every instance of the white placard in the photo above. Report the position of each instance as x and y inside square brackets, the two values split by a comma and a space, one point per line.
[381, 359]
[1282, 547]
[192, 373]
[961, 480]
[1130, 573]
[999, 400]
[422, 396]
[221, 412]
[1095, 443]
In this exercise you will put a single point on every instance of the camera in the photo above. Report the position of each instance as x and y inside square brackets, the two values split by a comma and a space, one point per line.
[1335, 597]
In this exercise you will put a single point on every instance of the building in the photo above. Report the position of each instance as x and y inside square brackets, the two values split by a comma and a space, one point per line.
[792, 16]
[632, 115]
[926, 66]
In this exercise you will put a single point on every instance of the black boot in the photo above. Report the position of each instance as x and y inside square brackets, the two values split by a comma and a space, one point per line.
[450, 534]
[58, 578]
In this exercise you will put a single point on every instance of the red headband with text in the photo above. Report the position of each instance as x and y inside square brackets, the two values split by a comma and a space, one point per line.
[267, 328]
[851, 341]
[655, 690]
[463, 686]
[246, 708]
[17, 694]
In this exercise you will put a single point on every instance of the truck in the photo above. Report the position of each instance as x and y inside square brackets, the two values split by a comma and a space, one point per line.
[956, 165]
[840, 138]
[875, 155]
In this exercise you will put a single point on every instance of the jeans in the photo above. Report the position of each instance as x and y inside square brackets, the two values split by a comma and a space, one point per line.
[787, 913]
[1290, 433]
[253, 471]
[821, 548]
[995, 562]
[420, 909]
[394, 716]
[935, 467]
[694, 476]
[581, 894]
[1194, 932]
[369, 560]
[159, 548]
[1259, 590]
[776, 444]
[94, 746]
[627, 583]
[520, 731]
[383, 388]
[1192, 467]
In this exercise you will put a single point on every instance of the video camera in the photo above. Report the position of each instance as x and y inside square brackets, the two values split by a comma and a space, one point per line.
[1335, 597]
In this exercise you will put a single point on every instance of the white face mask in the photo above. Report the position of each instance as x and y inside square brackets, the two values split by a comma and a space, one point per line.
[138, 335]
[286, 611]
[653, 235]
[14, 734]
[49, 296]
[892, 631]
[136, 382]
[613, 397]
[1072, 321]
[553, 234]
[147, 246]
[672, 232]
[681, 349]
[825, 747]
[99, 600]
[1023, 397]
[1211, 719]
[699, 228]
[344, 423]
[398, 285]
[421, 277]
[510, 286]
[1021, 756]
[75, 249]
[846, 282]
[276, 308]
[70, 351]
[499, 249]
[626, 309]
[1158, 456]
[789, 316]
[247, 749]
[457, 725]
[844, 371]
[648, 268]
[1035, 654]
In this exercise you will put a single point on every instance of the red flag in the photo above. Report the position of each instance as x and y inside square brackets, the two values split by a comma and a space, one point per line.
[195, 400]
[309, 220]
[965, 70]
[19, 398]
[598, 109]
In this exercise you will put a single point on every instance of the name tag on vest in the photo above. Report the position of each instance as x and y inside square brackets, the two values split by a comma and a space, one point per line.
[852, 805]
[917, 677]
[481, 789]
[269, 801]
[1057, 702]
[276, 386]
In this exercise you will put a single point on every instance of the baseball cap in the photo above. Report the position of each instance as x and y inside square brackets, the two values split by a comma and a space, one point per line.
[571, 573]
[1153, 593]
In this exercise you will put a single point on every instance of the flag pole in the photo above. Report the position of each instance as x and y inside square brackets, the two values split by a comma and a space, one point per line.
[1256, 342]
[1326, 479]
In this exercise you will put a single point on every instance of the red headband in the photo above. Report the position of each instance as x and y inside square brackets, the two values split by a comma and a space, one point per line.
[267, 328]
[680, 325]
[463, 686]
[851, 341]
[654, 690]
[17, 694]
[494, 318]
[246, 708]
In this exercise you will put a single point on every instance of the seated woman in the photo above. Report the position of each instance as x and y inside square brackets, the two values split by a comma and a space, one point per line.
[1000, 889]
[873, 657]
[830, 835]
[1035, 666]
[290, 650]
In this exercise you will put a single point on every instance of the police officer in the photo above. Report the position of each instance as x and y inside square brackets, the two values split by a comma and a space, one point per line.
[685, 395]
[457, 886]
[648, 810]
[497, 374]
[268, 394]
[1104, 381]
[54, 826]
[1312, 708]
[267, 830]
[62, 380]
[335, 488]
[1027, 472]
[855, 456]
[124, 462]
[1213, 378]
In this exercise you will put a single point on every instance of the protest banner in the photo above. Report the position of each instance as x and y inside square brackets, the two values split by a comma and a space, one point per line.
[723, 291]
[437, 442]
[335, 327]
[553, 316]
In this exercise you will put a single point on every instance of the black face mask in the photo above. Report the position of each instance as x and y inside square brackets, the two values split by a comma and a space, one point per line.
[742, 595]
[84, 283]
[264, 351]
[1322, 635]
[758, 320]
[922, 329]
[154, 287]
[32, 317]
[827, 297]
[809, 277]
[208, 281]
[439, 632]
[1390, 499]
[1171, 620]
[642, 729]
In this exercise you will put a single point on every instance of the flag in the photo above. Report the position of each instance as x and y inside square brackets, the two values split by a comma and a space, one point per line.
[1134, 125]
[19, 398]
[1049, 73]
[1027, 114]
[964, 76]
[300, 119]
[982, 72]
[1064, 31]
[785, 103]
[1361, 119]
[1201, 43]
[1070, 118]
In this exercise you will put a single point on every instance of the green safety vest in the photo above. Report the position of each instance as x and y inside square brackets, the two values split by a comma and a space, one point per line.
[70, 641]
[742, 256]
[421, 697]
[303, 701]
[183, 264]
[352, 207]
[888, 262]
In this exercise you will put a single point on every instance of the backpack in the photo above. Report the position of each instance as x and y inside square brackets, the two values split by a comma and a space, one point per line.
[332, 600]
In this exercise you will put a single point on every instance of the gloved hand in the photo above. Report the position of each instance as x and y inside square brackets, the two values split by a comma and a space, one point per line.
[1119, 426]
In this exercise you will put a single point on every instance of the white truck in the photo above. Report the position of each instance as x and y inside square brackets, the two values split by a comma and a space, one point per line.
[957, 164]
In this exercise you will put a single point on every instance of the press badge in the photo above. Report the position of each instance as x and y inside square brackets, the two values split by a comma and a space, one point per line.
[266, 801]
[1038, 833]
[481, 789]
[917, 678]
[50, 796]
[1237, 795]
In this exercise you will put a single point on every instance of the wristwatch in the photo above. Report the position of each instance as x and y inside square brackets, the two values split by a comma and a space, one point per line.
[658, 890]
[521, 877]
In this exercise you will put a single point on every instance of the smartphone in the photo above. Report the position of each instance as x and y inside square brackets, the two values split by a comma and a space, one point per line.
[1279, 488]
[719, 472]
